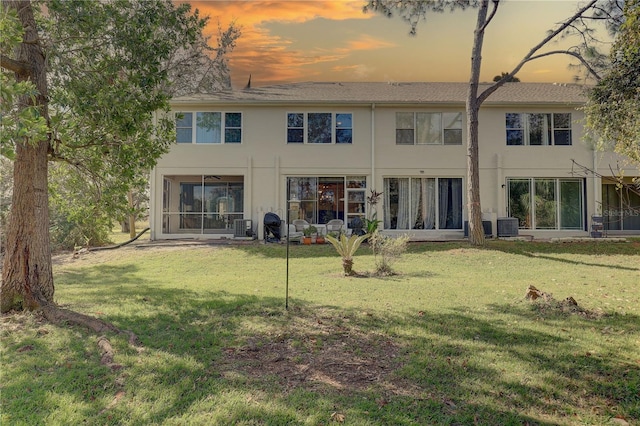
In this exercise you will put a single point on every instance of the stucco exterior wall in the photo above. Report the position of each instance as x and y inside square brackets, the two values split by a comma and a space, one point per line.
[264, 159]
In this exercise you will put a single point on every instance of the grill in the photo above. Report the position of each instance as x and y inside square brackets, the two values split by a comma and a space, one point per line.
[272, 227]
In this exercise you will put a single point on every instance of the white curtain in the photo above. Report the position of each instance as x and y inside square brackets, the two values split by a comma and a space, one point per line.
[417, 199]
[416, 211]
[403, 204]
[387, 204]
[429, 203]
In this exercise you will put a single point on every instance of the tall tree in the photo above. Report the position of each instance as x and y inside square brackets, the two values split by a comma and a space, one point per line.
[27, 277]
[613, 108]
[86, 79]
[413, 11]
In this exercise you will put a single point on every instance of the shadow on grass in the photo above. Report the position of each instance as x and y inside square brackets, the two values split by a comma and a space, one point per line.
[450, 368]
[296, 251]
[546, 250]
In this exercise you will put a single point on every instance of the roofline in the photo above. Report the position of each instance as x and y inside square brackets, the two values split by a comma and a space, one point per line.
[193, 102]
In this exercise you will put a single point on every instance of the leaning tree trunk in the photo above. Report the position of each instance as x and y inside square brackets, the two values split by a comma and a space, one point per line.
[27, 278]
[476, 232]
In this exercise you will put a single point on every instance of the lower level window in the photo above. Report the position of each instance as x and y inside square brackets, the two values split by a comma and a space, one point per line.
[202, 204]
[620, 208]
[422, 203]
[546, 203]
[324, 198]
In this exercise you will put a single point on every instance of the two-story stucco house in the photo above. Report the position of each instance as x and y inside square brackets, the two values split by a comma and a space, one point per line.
[244, 153]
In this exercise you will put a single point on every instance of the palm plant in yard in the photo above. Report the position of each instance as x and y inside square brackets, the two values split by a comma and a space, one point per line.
[347, 247]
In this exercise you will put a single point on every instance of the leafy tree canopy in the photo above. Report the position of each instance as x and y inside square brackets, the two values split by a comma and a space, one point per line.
[613, 109]
[87, 84]
[110, 67]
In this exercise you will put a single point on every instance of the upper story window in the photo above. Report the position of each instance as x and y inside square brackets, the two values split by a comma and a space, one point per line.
[209, 127]
[538, 129]
[428, 128]
[319, 127]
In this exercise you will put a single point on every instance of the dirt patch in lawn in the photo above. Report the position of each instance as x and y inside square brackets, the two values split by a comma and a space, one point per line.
[319, 352]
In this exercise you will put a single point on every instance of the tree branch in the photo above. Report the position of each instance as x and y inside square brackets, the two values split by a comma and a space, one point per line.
[493, 13]
[568, 52]
[18, 67]
[491, 89]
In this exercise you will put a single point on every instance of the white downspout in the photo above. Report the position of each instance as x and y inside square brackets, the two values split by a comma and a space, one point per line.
[248, 184]
[373, 148]
[277, 184]
[373, 143]
[500, 184]
[597, 189]
[153, 208]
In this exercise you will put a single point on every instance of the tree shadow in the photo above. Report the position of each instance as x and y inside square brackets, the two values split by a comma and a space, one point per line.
[296, 251]
[205, 348]
[546, 250]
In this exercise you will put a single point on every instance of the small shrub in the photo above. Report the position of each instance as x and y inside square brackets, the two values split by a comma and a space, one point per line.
[387, 250]
[347, 247]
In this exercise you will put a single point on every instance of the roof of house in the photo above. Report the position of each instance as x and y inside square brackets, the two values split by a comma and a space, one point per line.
[392, 93]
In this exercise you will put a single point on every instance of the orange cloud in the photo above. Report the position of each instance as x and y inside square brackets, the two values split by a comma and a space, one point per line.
[269, 57]
[367, 42]
[253, 13]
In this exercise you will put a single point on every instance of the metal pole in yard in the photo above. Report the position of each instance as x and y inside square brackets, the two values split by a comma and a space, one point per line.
[286, 299]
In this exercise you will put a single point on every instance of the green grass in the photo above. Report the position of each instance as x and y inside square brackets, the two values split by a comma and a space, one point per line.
[448, 340]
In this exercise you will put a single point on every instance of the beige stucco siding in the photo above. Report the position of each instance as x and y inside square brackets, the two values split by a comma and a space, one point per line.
[264, 159]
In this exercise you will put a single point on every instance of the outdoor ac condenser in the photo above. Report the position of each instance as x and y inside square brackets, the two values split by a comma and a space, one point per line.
[242, 228]
[507, 227]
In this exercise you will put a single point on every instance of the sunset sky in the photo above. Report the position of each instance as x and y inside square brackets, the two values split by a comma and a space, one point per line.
[326, 40]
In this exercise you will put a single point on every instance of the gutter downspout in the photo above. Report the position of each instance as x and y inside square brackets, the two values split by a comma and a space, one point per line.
[249, 189]
[277, 184]
[373, 147]
[597, 189]
[153, 210]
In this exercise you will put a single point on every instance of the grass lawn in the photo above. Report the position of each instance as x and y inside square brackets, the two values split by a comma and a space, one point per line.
[449, 340]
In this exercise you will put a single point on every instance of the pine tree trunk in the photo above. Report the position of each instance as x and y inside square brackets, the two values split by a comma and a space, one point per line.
[476, 232]
[132, 216]
[27, 278]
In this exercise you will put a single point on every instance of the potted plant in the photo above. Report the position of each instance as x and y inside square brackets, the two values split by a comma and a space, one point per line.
[308, 232]
[320, 238]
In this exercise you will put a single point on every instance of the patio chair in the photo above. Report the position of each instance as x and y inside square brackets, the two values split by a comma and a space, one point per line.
[300, 224]
[335, 226]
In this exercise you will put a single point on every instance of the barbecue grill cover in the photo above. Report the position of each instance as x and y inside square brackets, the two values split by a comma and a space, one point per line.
[272, 226]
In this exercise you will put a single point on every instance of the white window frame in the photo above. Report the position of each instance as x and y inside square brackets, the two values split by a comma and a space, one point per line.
[557, 182]
[442, 128]
[305, 128]
[438, 224]
[222, 136]
[549, 128]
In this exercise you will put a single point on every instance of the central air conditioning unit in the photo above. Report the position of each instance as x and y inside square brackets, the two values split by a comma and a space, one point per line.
[486, 226]
[242, 228]
[507, 227]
